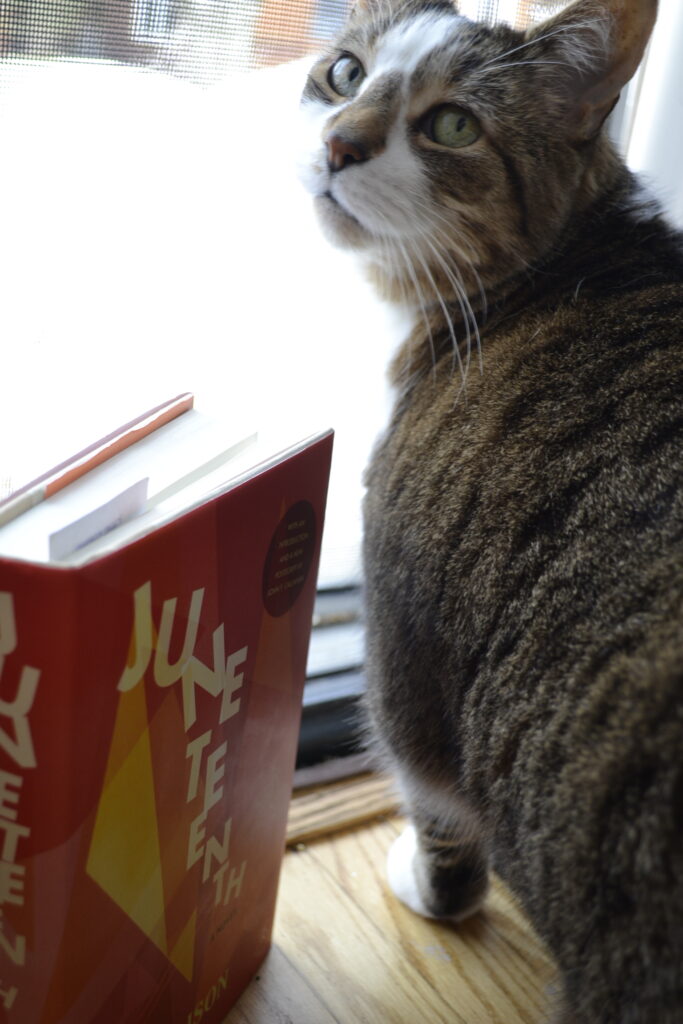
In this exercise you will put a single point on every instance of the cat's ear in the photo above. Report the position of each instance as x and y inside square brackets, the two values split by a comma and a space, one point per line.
[594, 48]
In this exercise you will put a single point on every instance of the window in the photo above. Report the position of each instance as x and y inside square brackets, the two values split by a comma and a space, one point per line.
[155, 240]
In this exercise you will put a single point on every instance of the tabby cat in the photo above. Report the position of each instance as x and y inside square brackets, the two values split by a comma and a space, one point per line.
[524, 512]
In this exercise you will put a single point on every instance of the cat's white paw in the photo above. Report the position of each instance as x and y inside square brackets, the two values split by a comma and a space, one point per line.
[401, 871]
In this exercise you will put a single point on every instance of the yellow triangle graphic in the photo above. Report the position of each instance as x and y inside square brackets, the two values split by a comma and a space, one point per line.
[182, 954]
[125, 854]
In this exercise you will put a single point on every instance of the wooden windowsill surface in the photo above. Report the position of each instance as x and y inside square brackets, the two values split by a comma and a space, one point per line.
[345, 951]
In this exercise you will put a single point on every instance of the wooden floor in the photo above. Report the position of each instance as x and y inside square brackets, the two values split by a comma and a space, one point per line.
[346, 951]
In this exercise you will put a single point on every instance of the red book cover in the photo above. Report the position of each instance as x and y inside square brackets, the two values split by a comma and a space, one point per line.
[149, 711]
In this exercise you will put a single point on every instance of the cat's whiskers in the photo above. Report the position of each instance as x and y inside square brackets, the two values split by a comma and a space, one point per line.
[558, 31]
[526, 63]
[465, 313]
[398, 255]
[393, 261]
[441, 243]
[424, 305]
[468, 317]
[457, 238]
[432, 246]
[433, 214]
[421, 299]
[454, 263]
[392, 256]
[444, 309]
[448, 246]
[440, 254]
[428, 214]
[468, 314]
[582, 53]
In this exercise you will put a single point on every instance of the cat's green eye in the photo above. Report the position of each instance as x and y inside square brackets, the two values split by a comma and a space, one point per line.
[345, 75]
[453, 127]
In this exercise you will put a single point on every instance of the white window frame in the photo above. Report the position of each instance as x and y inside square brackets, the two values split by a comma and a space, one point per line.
[654, 143]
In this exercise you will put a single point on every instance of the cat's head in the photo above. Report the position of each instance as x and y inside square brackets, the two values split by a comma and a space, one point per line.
[456, 149]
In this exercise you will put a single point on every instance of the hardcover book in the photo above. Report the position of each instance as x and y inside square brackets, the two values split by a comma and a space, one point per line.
[150, 698]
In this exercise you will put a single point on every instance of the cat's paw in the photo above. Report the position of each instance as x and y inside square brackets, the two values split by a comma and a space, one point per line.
[401, 871]
[452, 890]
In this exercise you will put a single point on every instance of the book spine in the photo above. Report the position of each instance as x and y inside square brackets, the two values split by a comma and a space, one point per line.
[36, 664]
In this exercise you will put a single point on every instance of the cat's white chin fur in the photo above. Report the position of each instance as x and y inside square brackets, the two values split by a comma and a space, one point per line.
[401, 871]
[339, 226]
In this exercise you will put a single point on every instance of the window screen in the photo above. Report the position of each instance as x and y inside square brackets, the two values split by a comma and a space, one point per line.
[198, 39]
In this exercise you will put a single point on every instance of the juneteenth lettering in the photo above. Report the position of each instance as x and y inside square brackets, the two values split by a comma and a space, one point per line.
[18, 745]
[222, 680]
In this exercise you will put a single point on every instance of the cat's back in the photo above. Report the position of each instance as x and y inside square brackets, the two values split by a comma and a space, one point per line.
[527, 537]
[524, 551]
[569, 439]
[535, 521]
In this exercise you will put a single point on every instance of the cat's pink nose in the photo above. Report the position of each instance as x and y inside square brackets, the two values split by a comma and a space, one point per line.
[341, 152]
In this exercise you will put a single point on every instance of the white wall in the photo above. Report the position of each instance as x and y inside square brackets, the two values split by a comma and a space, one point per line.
[155, 240]
[656, 145]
